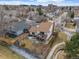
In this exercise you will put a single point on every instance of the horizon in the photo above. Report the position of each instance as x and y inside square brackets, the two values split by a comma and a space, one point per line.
[40, 2]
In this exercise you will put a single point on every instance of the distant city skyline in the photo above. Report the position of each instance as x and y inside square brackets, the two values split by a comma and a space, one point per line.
[41, 2]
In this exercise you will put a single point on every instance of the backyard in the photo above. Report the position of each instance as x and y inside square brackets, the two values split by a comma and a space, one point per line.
[60, 38]
[70, 25]
[36, 48]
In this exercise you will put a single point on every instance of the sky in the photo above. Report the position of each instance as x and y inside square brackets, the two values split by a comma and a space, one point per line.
[41, 2]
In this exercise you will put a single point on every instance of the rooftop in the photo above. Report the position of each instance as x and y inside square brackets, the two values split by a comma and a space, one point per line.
[20, 26]
[42, 27]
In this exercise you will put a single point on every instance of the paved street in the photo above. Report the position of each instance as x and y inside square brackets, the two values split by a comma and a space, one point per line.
[22, 52]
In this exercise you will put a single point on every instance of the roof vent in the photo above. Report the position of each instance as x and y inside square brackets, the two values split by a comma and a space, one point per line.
[37, 26]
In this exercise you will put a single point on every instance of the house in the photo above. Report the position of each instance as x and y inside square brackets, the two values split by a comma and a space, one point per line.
[76, 20]
[41, 32]
[35, 17]
[19, 28]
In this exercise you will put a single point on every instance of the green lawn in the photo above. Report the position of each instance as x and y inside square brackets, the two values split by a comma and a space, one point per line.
[6, 53]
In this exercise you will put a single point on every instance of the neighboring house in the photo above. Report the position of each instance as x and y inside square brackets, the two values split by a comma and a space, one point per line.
[35, 17]
[41, 32]
[31, 22]
[76, 19]
[19, 28]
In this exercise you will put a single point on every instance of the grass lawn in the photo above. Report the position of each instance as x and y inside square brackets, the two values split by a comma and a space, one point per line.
[6, 53]
[60, 38]
[70, 25]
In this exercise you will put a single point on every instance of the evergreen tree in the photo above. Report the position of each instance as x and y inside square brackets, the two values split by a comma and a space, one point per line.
[72, 47]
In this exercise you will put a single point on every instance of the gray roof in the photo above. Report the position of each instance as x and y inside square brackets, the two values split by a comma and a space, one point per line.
[20, 26]
[32, 23]
[38, 18]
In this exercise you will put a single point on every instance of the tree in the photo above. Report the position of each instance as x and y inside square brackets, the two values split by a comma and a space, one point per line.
[71, 14]
[40, 11]
[70, 8]
[6, 7]
[72, 47]
[32, 9]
